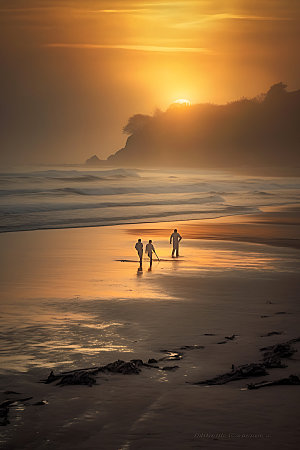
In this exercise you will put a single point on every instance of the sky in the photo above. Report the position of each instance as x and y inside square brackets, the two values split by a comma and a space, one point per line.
[74, 71]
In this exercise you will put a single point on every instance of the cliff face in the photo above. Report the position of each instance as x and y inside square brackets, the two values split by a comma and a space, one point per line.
[250, 133]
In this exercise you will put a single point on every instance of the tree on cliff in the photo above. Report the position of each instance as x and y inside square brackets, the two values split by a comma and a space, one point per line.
[136, 123]
[258, 132]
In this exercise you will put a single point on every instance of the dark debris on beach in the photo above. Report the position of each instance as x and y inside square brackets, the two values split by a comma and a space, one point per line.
[238, 373]
[87, 376]
[292, 380]
[274, 353]
[272, 333]
[272, 356]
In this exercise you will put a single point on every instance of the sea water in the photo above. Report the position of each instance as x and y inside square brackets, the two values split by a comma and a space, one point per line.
[65, 197]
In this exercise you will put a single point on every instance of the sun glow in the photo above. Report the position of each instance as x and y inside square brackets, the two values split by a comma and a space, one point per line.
[183, 101]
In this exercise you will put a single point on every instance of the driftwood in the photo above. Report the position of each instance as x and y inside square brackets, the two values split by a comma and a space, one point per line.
[272, 333]
[87, 376]
[292, 380]
[230, 338]
[80, 377]
[272, 355]
[271, 359]
[126, 368]
[238, 373]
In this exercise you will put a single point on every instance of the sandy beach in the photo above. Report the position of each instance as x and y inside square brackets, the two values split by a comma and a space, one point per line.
[69, 302]
[122, 122]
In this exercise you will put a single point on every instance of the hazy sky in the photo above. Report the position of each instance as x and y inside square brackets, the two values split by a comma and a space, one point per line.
[73, 71]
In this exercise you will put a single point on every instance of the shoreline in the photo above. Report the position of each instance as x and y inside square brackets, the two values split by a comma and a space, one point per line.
[124, 223]
[248, 228]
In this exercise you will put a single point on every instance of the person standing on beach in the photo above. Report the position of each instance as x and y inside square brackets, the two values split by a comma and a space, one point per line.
[140, 248]
[150, 250]
[176, 238]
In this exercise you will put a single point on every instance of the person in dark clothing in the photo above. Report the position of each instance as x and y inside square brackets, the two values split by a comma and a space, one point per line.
[175, 238]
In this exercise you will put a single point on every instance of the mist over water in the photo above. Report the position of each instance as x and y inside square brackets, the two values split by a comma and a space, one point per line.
[75, 197]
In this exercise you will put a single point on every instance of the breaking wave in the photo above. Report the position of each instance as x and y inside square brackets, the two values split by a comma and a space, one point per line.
[59, 198]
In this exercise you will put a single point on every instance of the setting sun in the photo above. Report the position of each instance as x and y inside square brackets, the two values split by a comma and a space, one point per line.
[183, 101]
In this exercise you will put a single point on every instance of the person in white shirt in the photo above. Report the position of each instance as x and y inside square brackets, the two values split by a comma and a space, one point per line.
[140, 248]
[176, 238]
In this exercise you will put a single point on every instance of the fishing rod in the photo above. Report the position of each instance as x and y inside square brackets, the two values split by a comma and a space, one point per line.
[156, 255]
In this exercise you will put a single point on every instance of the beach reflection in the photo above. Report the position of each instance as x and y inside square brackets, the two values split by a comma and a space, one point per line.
[38, 339]
[87, 264]
[74, 263]
[63, 291]
[245, 245]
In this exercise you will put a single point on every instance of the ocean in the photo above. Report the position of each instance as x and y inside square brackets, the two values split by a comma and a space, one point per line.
[66, 197]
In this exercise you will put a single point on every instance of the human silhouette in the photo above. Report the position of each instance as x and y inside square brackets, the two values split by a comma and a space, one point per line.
[176, 238]
[140, 248]
[150, 250]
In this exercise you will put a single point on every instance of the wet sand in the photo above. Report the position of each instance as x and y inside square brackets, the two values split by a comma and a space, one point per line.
[67, 303]
[272, 226]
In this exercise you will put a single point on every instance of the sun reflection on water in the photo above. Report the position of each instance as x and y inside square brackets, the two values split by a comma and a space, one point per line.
[64, 309]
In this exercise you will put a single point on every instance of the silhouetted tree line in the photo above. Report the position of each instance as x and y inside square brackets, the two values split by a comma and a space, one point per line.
[260, 132]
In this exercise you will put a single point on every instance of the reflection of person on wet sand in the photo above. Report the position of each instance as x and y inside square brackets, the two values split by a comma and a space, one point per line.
[149, 250]
[176, 238]
[139, 249]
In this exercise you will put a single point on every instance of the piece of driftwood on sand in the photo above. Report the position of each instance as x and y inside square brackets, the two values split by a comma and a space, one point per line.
[274, 353]
[238, 373]
[87, 376]
[272, 356]
[292, 380]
